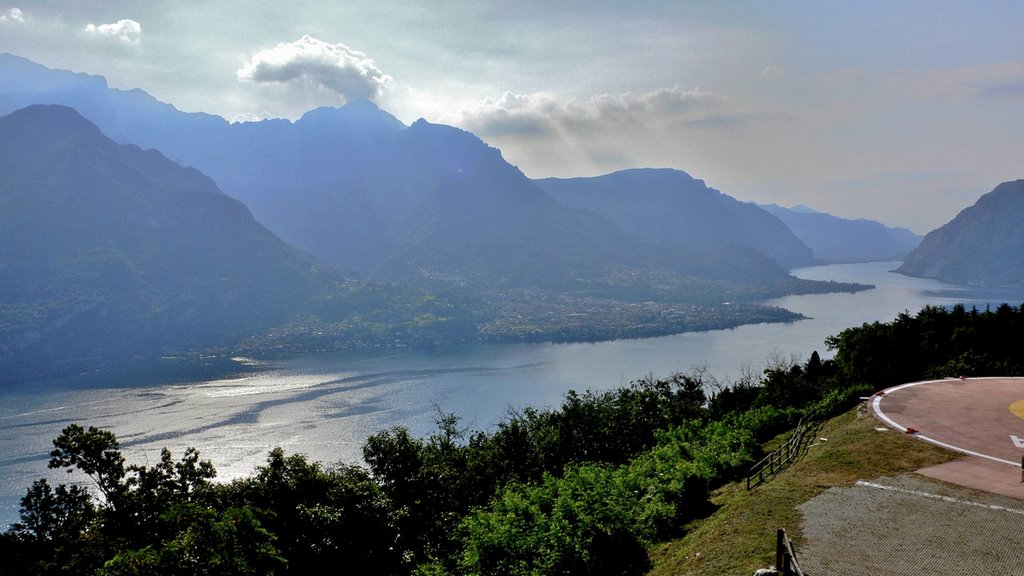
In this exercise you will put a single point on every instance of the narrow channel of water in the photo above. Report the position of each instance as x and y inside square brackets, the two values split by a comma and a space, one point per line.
[326, 405]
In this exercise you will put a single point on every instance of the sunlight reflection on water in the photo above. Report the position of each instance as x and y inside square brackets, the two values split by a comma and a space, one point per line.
[325, 405]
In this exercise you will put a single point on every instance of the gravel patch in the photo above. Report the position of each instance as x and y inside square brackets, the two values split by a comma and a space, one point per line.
[913, 526]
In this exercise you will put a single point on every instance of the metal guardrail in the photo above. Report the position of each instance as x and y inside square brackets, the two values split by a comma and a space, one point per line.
[778, 460]
[785, 555]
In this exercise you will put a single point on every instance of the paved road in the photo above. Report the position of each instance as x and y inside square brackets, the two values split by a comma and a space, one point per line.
[980, 417]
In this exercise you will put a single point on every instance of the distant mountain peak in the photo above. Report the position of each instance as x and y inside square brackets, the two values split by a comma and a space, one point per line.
[804, 209]
[655, 170]
[357, 113]
[661, 176]
[834, 239]
[361, 104]
[49, 122]
[32, 76]
[671, 207]
[672, 173]
[1012, 188]
[425, 125]
[456, 140]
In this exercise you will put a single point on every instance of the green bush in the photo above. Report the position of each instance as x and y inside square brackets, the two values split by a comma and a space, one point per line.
[583, 523]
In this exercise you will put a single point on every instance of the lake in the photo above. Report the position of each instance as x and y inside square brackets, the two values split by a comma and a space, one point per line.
[325, 405]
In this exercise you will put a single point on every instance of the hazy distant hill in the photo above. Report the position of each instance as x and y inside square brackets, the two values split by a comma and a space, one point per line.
[839, 240]
[107, 250]
[671, 207]
[983, 245]
[423, 204]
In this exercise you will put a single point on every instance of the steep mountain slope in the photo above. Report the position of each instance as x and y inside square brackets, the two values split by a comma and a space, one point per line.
[671, 207]
[839, 240]
[983, 244]
[108, 250]
[428, 204]
[485, 222]
[425, 204]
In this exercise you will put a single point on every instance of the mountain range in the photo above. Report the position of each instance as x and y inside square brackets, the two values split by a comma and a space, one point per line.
[134, 253]
[835, 240]
[362, 192]
[983, 245]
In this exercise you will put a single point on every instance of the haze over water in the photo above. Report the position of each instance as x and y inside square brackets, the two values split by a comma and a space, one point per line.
[325, 405]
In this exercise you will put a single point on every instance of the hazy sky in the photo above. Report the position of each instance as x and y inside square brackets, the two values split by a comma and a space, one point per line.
[904, 112]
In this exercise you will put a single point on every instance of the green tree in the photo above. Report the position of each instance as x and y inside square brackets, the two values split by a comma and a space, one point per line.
[55, 534]
[321, 516]
[428, 483]
[96, 453]
[49, 515]
[582, 523]
[206, 542]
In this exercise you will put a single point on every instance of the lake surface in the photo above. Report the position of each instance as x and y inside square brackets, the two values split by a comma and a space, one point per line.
[326, 405]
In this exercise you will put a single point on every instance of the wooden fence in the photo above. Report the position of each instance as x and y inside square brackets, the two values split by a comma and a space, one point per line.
[785, 555]
[778, 460]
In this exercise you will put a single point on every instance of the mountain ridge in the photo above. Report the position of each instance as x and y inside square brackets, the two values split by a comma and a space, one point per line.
[457, 242]
[111, 250]
[982, 245]
[351, 186]
[836, 240]
[678, 209]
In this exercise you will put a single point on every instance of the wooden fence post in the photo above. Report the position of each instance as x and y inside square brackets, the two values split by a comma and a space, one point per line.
[780, 545]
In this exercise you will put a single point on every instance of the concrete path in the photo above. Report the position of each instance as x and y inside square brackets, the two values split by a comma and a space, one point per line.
[964, 517]
[911, 526]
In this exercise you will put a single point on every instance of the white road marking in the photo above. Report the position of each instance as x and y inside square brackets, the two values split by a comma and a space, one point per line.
[876, 406]
[939, 497]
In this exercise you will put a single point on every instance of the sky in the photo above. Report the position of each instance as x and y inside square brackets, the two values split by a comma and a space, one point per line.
[899, 111]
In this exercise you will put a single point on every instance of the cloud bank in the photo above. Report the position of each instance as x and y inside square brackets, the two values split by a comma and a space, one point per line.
[553, 136]
[12, 15]
[127, 31]
[335, 68]
[539, 114]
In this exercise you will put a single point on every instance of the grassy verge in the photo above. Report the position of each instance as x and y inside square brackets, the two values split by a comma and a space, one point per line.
[739, 537]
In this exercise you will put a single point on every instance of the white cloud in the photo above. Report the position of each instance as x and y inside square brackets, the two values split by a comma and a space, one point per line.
[12, 15]
[335, 68]
[127, 31]
[249, 117]
[551, 136]
[770, 72]
[536, 114]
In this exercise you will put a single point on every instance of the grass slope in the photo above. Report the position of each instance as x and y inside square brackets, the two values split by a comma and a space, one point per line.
[739, 537]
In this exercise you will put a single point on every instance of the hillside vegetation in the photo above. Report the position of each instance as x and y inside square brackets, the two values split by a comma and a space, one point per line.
[589, 488]
[739, 537]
